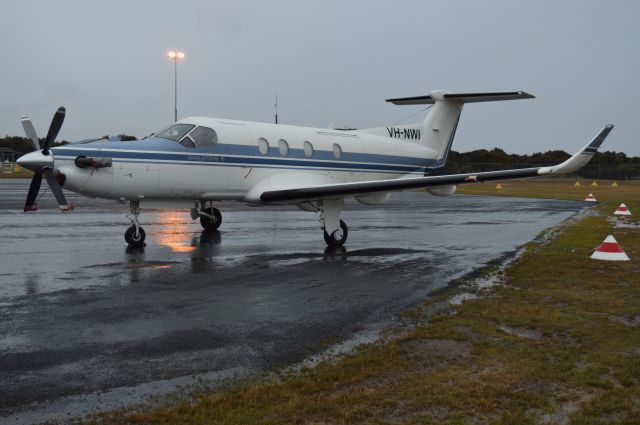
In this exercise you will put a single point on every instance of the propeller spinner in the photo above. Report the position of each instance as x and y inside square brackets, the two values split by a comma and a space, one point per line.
[41, 163]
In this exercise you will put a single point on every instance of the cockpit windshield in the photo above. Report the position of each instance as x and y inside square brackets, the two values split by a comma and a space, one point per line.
[175, 132]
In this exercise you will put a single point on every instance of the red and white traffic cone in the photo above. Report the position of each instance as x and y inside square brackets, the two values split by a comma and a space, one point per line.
[590, 198]
[622, 210]
[610, 250]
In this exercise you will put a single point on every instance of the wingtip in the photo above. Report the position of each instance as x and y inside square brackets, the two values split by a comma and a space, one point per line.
[526, 95]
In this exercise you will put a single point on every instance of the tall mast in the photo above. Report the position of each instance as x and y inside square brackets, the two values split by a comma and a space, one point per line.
[276, 107]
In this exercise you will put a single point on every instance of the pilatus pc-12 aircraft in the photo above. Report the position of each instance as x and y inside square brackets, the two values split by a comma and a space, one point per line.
[198, 161]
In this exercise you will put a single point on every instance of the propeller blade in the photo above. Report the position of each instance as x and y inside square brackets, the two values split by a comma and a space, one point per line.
[56, 190]
[54, 128]
[34, 188]
[30, 132]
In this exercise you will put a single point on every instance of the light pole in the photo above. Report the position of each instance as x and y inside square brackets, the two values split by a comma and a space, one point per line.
[175, 56]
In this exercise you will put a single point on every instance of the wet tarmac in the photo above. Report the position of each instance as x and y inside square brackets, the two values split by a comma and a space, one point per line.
[87, 323]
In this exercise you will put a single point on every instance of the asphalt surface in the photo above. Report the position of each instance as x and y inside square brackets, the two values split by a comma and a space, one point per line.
[87, 323]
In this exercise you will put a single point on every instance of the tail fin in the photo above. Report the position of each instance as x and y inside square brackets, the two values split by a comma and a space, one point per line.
[439, 127]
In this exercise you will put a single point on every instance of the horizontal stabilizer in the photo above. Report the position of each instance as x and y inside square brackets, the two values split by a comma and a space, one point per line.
[461, 97]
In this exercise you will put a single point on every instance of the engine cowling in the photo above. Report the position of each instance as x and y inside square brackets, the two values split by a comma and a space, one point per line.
[447, 190]
[376, 199]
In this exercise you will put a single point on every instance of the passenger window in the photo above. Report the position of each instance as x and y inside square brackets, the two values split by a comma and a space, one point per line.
[308, 149]
[204, 136]
[283, 146]
[263, 146]
[337, 151]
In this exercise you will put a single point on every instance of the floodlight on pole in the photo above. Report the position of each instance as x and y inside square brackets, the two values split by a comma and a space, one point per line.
[175, 56]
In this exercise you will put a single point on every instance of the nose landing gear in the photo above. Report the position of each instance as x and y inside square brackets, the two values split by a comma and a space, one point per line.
[134, 235]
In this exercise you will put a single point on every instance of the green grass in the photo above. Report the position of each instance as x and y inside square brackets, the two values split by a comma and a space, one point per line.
[578, 364]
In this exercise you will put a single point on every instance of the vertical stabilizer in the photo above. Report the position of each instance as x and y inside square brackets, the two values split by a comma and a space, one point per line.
[439, 127]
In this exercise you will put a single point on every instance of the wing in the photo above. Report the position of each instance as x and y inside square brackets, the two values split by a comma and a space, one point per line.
[577, 161]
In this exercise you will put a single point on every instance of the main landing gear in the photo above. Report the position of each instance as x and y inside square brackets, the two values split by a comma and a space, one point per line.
[134, 235]
[210, 217]
[335, 230]
[338, 237]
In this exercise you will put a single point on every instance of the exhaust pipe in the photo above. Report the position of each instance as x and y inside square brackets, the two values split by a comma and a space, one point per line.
[85, 162]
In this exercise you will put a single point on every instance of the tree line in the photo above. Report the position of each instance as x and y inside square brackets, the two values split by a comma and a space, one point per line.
[23, 145]
[604, 165]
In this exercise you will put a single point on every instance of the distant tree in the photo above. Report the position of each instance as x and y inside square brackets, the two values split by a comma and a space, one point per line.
[125, 137]
[604, 165]
[18, 144]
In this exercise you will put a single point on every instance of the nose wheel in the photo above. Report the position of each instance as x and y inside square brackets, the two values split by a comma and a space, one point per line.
[135, 235]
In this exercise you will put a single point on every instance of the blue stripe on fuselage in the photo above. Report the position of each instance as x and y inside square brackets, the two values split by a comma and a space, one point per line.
[164, 150]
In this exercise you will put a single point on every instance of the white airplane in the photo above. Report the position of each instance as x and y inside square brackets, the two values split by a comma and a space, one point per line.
[198, 161]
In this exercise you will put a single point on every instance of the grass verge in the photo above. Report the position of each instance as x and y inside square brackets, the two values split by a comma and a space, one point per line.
[557, 342]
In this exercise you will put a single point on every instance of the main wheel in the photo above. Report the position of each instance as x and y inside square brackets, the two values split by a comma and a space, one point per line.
[334, 240]
[209, 223]
[133, 237]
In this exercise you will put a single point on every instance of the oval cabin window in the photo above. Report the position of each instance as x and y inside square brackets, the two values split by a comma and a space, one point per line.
[283, 146]
[263, 146]
[308, 149]
[337, 151]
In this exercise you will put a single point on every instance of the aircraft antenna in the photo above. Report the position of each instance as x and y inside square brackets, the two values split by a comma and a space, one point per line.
[412, 115]
[276, 106]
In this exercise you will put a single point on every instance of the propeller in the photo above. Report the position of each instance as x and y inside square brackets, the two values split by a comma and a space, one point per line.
[41, 163]
[54, 128]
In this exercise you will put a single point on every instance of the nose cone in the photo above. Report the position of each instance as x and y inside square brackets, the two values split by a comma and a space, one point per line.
[36, 161]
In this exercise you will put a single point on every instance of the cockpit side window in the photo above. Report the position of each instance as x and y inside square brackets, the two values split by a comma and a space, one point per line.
[175, 132]
[188, 142]
[204, 136]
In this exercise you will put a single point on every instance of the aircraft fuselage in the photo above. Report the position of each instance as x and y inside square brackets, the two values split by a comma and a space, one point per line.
[157, 169]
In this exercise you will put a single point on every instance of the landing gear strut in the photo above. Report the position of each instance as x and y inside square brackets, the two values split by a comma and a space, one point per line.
[134, 235]
[210, 217]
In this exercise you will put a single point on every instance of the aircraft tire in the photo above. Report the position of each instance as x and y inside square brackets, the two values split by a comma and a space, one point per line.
[332, 241]
[208, 223]
[132, 239]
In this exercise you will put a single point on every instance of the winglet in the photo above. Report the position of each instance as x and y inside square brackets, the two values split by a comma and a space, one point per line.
[580, 158]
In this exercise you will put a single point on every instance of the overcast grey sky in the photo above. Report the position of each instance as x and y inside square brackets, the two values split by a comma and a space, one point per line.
[106, 62]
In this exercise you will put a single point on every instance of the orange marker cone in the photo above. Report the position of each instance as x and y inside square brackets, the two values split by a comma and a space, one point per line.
[498, 186]
[590, 198]
[610, 250]
[622, 210]
[577, 184]
[593, 183]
